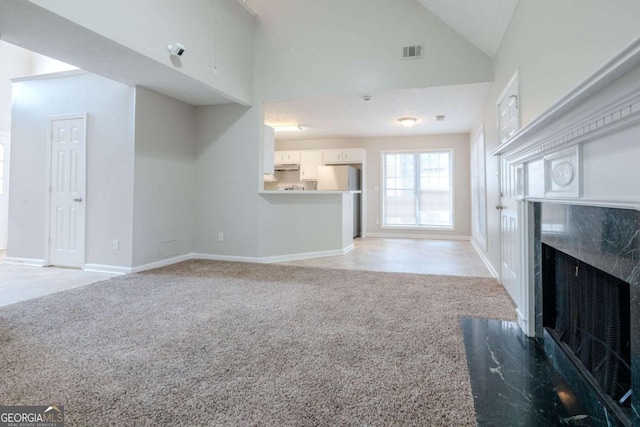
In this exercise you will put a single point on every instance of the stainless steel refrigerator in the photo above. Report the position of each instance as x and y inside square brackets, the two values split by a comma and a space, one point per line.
[342, 178]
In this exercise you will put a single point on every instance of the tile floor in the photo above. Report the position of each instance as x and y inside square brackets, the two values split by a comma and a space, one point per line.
[458, 258]
[449, 257]
[23, 282]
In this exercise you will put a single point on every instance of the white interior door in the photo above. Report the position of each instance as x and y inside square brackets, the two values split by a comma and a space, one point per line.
[4, 188]
[67, 191]
[510, 239]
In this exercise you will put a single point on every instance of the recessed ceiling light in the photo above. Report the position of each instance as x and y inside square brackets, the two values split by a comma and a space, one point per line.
[407, 121]
[288, 128]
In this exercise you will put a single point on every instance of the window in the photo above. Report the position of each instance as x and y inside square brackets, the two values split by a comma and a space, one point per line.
[418, 189]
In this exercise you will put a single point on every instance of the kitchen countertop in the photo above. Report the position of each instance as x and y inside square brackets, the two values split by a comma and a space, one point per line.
[304, 192]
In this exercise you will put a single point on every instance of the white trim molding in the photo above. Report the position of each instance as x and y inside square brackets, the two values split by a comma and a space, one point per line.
[25, 261]
[419, 236]
[111, 269]
[161, 263]
[485, 260]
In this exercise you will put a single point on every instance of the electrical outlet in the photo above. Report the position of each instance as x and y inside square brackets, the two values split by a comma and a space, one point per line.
[115, 245]
[220, 237]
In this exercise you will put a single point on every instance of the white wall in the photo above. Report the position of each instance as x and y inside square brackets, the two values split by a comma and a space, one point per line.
[164, 177]
[41, 64]
[14, 62]
[109, 199]
[307, 48]
[374, 146]
[148, 26]
[554, 45]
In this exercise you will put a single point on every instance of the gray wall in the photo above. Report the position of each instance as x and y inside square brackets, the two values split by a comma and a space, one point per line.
[578, 37]
[374, 146]
[226, 180]
[164, 177]
[109, 199]
[304, 49]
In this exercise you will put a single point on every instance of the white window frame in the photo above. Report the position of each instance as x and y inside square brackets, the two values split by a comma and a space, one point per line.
[384, 190]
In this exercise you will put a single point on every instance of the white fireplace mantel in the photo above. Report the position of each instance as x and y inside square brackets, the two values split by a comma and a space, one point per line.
[591, 134]
[583, 150]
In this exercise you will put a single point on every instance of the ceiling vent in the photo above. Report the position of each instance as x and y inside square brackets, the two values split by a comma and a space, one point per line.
[412, 52]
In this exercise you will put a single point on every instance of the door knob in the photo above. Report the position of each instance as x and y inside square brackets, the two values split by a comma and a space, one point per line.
[79, 199]
[500, 207]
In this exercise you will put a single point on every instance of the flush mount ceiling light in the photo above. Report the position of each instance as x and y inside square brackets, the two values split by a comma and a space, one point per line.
[288, 128]
[407, 121]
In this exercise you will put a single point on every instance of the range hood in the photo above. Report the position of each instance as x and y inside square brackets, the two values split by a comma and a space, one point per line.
[287, 168]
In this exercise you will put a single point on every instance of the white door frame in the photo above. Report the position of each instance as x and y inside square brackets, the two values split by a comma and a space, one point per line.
[4, 215]
[47, 236]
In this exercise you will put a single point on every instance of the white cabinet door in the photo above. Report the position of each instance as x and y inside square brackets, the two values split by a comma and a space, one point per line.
[309, 162]
[343, 155]
[286, 157]
[353, 155]
[332, 156]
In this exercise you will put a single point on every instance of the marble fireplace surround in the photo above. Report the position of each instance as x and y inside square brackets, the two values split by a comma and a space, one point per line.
[584, 152]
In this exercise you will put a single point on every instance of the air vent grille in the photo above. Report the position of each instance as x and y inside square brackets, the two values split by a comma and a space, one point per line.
[412, 52]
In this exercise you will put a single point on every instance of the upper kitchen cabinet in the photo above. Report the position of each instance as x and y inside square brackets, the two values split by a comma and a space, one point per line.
[344, 155]
[286, 157]
[309, 162]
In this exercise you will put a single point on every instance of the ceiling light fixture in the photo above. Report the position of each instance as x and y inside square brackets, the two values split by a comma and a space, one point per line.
[288, 128]
[407, 121]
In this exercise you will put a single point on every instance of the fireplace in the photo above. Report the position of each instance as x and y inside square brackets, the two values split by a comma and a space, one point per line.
[569, 182]
[587, 313]
[588, 267]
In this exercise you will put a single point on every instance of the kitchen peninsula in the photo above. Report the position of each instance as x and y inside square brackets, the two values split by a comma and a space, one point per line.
[320, 222]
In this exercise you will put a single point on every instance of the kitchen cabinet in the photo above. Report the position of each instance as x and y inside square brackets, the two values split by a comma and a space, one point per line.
[309, 162]
[343, 155]
[286, 157]
[268, 147]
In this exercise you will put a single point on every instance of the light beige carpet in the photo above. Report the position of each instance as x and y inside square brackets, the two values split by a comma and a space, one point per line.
[232, 344]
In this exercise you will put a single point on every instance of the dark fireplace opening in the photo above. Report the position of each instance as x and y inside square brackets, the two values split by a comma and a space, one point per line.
[587, 312]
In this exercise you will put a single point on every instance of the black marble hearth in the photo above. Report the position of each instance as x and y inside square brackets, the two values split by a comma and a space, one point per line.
[609, 240]
[512, 380]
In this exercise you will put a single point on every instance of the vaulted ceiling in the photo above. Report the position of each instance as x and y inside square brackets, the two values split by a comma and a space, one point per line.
[481, 22]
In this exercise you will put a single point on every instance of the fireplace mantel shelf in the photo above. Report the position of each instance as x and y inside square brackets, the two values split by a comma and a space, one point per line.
[618, 66]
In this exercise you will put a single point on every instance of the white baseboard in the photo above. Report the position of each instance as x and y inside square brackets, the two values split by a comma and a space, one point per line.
[275, 258]
[111, 269]
[25, 261]
[231, 258]
[484, 259]
[418, 236]
[306, 255]
[161, 263]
